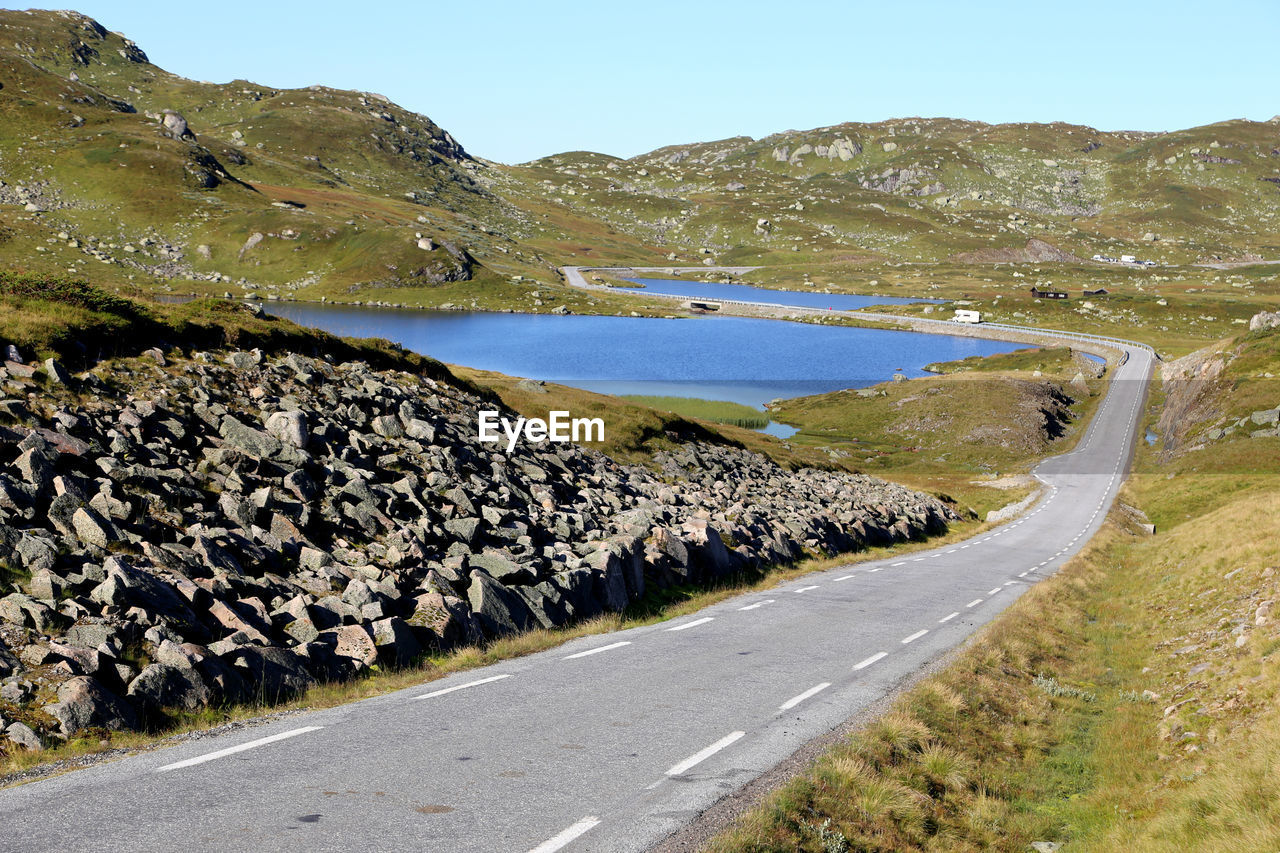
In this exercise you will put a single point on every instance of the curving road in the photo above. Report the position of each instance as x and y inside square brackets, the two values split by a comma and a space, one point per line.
[609, 743]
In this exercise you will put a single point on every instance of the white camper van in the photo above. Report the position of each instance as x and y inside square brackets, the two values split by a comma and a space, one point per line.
[963, 316]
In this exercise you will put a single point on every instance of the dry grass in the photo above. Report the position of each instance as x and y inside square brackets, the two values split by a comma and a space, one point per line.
[1114, 707]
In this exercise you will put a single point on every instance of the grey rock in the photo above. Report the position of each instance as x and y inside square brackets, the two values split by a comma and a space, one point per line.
[244, 437]
[499, 610]
[1264, 320]
[93, 529]
[273, 673]
[56, 373]
[161, 686]
[388, 426]
[83, 703]
[174, 126]
[532, 386]
[353, 642]
[502, 568]
[464, 529]
[395, 641]
[289, 428]
[22, 735]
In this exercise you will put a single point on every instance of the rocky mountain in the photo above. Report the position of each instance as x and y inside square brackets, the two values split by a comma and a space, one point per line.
[190, 528]
[114, 167]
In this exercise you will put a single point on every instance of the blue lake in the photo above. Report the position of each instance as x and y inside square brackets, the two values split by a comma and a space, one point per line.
[746, 360]
[747, 293]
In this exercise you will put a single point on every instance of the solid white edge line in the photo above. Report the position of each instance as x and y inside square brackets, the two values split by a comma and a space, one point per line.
[796, 700]
[702, 755]
[704, 620]
[475, 683]
[232, 750]
[866, 662]
[556, 842]
[949, 617]
[917, 635]
[598, 650]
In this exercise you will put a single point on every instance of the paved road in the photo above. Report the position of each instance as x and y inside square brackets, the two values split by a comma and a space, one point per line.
[609, 743]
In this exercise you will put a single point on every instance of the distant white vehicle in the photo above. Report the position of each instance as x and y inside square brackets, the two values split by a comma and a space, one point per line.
[964, 316]
[1128, 259]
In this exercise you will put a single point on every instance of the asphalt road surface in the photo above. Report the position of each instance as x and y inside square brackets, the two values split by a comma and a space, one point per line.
[608, 743]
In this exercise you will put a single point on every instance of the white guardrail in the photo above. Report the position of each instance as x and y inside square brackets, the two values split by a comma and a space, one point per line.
[950, 325]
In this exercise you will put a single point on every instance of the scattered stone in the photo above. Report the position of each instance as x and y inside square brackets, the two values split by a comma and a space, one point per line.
[84, 703]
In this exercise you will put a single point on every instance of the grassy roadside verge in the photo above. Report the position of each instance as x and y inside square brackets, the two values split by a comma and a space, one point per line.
[1127, 703]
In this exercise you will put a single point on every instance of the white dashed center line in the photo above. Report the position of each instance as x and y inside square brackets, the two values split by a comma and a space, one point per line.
[703, 755]
[704, 620]
[796, 700]
[917, 635]
[590, 652]
[475, 683]
[948, 617]
[232, 750]
[866, 662]
[974, 603]
[562, 839]
[806, 588]
[758, 604]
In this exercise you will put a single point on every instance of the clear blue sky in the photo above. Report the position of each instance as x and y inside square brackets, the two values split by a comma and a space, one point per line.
[517, 80]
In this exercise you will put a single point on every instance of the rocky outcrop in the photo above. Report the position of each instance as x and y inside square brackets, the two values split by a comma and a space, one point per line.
[1264, 320]
[1036, 251]
[197, 530]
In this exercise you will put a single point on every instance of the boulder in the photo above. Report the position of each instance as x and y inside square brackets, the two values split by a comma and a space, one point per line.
[289, 428]
[395, 641]
[546, 603]
[501, 568]
[244, 437]
[1264, 320]
[56, 373]
[272, 673]
[353, 642]
[162, 686]
[174, 126]
[22, 735]
[609, 585]
[442, 621]
[84, 703]
[499, 610]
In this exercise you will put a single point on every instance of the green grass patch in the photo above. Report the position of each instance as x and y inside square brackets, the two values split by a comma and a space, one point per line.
[717, 411]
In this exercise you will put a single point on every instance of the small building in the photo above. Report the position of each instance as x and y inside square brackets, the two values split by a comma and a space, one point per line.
[964, 316]
[1037, 293]
[1101, 291]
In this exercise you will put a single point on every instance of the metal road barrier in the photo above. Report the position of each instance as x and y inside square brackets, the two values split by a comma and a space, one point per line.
[891, 318]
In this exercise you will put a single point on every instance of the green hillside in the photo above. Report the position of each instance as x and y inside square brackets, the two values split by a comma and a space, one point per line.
[324, 193]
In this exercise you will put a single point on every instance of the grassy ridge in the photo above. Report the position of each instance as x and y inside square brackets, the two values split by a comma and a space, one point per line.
[718, 411]
[78, 323]
[1126, 703]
